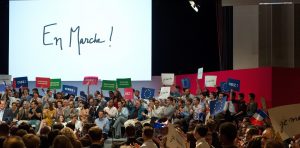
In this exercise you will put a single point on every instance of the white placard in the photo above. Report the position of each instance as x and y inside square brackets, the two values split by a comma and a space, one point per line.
[210, 81]
[167, 78]
[164, 92]
[200, 73]
[286, 120]
[5, 79]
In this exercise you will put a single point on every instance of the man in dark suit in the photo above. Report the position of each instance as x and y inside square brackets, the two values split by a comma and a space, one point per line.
[6, 114]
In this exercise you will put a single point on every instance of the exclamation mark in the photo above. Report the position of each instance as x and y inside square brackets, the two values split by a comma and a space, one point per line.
[111, 33]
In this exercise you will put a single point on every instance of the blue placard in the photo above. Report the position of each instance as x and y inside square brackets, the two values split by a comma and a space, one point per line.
[147, 93]
[217, 106]
[224, 87]
[21, 82]
[233, 84]
[2, 87]
[186, 83]
[69, 89]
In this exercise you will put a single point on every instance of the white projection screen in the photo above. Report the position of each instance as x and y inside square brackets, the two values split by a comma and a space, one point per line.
[70, 39]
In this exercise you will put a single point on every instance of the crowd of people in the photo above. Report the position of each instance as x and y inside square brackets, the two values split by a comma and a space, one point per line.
[28, 119]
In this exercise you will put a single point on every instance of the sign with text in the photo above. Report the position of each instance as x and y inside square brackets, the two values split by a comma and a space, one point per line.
[6, 79]
[21, 82]
[41, 82]
[286, 120]
[69, 89]
[167, 78]
[233, 84]
[55, 83]
[128, 93]
[108, 85]
[186, 83]
[90, 80]
[174, 139]
[164, 92]
[124, 83]
[210, 81]
[200, 73]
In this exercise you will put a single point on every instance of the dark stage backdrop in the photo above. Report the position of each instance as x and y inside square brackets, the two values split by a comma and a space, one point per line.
[182, 40]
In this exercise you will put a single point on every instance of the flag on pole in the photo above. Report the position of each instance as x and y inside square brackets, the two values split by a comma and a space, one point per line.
[258, 118]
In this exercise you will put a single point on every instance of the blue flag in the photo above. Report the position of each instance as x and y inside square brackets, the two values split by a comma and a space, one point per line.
[224, 87]
[69, 89]
[2, 87]
[233, 84]
[186, 83]
[21, 82]
[147, 93]
[217, 106]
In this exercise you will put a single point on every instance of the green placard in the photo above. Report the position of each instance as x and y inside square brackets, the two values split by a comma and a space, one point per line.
[124, 83]
[55, 83]
[108, 85]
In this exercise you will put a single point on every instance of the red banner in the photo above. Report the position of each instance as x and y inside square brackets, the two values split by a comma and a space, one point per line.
[42, 82]
[90, 80]
[128, 93]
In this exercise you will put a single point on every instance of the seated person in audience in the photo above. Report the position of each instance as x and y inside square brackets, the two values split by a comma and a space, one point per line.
[49, 114]
[121, 117]
[101, 104]
[4, 130]
[48, 97]
[169, 110]
[227, 134]
[84, 112]
[35, 115]
[24, 111]
[71, 110]
[59, 110]
[200, 133]
[61, 120]
[36, 97]
[110, 109]
[6, 114]
[76, 122]
[103, 123]
[136, 111]
[25, 95]
[187, 94]
[157, 110]
[15, 110]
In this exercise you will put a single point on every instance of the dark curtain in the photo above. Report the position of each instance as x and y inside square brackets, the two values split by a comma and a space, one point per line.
[224, 33]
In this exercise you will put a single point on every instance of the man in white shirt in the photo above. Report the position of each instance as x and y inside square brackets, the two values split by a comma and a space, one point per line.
[187, 94]
[111, 110]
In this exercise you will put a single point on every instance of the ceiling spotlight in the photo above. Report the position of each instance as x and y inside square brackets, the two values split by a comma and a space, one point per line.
[194, 5]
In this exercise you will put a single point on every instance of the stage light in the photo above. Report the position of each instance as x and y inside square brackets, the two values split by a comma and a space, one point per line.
[195, 5]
